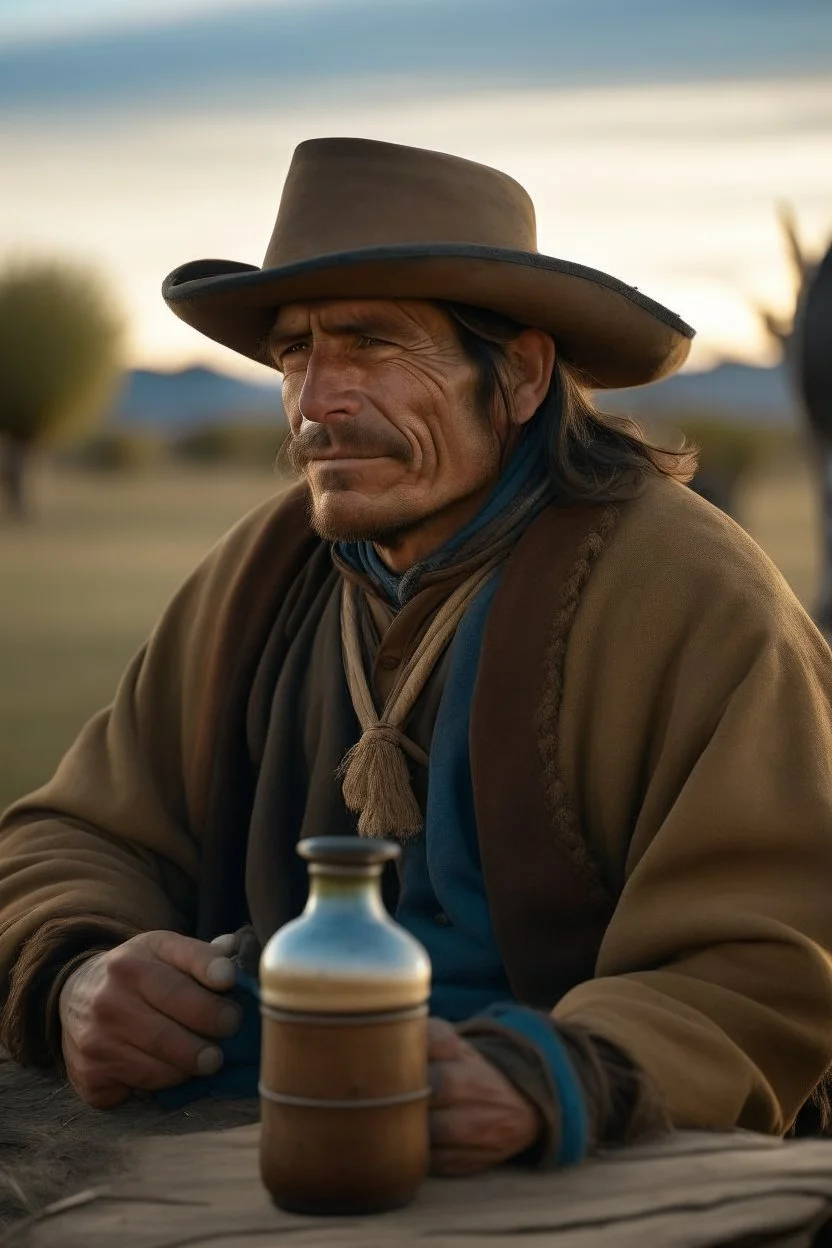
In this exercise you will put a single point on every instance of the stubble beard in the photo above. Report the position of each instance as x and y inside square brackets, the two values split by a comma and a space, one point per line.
[334, 523]
[387, 523]
[389, 531]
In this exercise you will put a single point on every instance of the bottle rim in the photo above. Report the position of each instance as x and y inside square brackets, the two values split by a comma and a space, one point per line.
[347, 851]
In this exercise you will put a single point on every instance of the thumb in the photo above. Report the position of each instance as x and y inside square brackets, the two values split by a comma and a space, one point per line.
[197, 958]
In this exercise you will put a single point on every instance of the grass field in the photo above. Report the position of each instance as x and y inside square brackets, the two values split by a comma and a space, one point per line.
[83, 583]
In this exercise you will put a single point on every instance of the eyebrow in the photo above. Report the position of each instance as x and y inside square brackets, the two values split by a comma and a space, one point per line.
[365, 325]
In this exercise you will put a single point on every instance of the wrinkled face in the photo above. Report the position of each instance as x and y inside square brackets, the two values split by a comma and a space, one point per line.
[381, 405]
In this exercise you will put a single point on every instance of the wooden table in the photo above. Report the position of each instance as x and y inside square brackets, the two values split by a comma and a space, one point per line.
[692, 1190]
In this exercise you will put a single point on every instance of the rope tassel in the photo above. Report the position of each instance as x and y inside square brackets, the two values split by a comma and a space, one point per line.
[374, 774]
[376, 786]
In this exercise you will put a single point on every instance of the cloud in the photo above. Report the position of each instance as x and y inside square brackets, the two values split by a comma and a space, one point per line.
[671, 188]
[281, 52]
[28, 21]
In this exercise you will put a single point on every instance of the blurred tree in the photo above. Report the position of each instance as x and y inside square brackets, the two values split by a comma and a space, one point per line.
[61, 343]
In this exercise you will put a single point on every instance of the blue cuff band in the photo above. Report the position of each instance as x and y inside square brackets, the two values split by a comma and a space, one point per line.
[574, 1144]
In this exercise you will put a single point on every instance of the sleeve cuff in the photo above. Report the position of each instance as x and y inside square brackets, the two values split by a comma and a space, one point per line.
[588, 1091]
[30, 1027]
[539, 1031]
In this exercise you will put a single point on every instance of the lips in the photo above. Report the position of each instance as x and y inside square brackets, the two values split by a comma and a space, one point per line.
[335, 459]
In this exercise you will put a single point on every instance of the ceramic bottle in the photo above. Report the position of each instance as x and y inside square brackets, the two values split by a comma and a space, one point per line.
[343, 1080]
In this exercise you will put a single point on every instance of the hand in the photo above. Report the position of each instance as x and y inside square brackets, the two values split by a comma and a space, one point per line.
[138, 1016]
[477, 1117]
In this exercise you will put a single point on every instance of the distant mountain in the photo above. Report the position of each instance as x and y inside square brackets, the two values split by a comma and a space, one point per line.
[176, 402]
[192, 398]
[731, 392]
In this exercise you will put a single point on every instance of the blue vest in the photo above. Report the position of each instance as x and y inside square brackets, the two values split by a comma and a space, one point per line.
[442, 898]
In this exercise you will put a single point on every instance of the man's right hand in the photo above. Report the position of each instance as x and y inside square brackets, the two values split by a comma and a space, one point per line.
[140, 1016]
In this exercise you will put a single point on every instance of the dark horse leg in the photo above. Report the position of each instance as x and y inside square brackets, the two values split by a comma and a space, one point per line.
[824, 609]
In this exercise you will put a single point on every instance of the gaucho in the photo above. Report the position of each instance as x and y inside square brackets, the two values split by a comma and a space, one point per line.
[490, 623]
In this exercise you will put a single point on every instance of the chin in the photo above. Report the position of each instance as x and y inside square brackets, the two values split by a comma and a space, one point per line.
[346, 517]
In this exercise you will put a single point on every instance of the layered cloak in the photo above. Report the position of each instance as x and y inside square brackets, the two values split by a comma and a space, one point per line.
[651, 751]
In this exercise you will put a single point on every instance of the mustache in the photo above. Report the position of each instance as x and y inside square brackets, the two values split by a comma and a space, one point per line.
[351, 440]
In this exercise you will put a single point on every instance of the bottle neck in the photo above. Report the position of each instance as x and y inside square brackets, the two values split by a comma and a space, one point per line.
[351, 889]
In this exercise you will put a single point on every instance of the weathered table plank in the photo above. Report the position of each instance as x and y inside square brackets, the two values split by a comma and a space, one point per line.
[693, 1190]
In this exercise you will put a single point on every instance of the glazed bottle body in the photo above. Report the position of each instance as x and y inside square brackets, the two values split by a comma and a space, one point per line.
[344, 1061]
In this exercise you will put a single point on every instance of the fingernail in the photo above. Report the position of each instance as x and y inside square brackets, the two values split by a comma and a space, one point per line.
[229, 1019]
[209, 1061]
[220, 973]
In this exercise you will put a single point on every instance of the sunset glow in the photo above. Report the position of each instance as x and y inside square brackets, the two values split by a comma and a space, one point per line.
[672, 188]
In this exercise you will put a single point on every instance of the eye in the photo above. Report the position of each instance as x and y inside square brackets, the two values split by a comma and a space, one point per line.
[293, 350]
[366, 340]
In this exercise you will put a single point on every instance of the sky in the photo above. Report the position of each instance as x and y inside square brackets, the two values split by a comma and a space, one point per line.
[25, 19]
[656, 138]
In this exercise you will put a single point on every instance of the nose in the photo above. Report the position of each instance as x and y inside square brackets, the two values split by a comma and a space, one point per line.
[326, 396]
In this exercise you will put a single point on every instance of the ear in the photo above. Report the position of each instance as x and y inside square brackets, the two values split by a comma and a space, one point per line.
[531, 359]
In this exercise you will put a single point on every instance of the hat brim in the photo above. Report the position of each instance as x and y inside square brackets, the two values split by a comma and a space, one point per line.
[614, 334]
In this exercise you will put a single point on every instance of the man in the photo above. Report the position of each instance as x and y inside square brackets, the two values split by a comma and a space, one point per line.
[491, 624]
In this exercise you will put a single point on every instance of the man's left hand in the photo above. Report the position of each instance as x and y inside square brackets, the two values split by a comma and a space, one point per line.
[477, 1117]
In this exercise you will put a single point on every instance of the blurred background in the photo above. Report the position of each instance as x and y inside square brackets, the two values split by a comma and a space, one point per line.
[685, 148]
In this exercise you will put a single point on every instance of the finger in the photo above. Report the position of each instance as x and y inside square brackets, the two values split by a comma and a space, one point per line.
[86, 1079]
[443, 1041]
[196, 958]
[177, 996]
[180, 1049]
[109, 1085]
[148, 1073]
[227, 944]
[129, 1024]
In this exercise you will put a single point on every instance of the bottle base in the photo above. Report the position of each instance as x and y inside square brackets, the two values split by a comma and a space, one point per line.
[339, 1207]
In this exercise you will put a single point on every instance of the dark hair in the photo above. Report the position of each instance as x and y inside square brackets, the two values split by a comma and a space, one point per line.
[592, 455]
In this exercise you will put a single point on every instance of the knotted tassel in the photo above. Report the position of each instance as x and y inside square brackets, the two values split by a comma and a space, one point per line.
[376, 785]
[375, 779]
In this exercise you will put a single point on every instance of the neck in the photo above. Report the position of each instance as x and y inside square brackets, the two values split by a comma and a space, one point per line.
[423, 539]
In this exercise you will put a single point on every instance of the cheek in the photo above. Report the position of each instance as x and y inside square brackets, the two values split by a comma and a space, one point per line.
[402, 391]
[290, 393]
[469, 454]
[426, 408]
[465, 442]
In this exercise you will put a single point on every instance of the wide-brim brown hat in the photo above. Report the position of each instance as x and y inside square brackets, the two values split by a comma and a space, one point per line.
[361, 219]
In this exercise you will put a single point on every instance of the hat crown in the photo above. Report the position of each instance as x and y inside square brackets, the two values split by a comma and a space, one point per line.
[344, 195]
